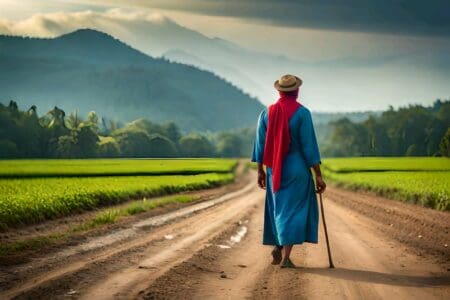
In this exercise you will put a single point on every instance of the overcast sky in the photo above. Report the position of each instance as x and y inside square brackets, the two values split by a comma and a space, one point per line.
[308, 31]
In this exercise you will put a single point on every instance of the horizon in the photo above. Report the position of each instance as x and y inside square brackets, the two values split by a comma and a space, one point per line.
[395, 54]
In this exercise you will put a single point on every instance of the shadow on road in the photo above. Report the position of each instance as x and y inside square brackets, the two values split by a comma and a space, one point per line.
[378, 277]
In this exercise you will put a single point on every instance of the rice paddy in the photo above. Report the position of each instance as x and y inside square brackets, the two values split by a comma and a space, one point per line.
[48, 189]
[420, 180]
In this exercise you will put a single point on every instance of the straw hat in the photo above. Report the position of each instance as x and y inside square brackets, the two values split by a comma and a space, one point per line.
[288, 83]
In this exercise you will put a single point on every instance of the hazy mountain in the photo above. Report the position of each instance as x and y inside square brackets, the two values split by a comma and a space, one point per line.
[226, 71]
[328, 83]
[343, 82]
[181, 56]
[323, 118]
[250, 70]
[90, 70]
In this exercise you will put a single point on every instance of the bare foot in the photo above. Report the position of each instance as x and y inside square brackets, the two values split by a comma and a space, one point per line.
[276, 254]
[287, 264]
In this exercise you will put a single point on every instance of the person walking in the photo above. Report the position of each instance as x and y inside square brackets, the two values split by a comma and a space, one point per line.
[286, 145]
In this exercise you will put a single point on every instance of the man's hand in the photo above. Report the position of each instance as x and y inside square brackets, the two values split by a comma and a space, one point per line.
[262, 178]
[320, 185]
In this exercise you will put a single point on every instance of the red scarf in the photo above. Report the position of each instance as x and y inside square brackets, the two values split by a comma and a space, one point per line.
[277, 136]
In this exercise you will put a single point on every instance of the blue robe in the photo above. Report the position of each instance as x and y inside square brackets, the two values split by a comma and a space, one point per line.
[291, 214]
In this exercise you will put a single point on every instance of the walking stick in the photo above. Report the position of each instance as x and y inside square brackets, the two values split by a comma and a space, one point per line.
[326, 232]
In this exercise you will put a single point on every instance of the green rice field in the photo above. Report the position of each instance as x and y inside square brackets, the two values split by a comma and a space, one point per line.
[420, 180]
[378, 164]
[111, 167]
[32, 195]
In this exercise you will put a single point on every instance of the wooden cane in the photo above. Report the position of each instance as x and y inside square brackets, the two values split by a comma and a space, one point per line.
[326, 232]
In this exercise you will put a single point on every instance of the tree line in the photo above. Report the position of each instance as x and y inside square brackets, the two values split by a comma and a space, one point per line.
[414, 130]
[24, 134]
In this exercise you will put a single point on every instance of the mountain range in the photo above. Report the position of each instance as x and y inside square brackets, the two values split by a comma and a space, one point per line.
[363, 79]
[90, 70]
[344, 83]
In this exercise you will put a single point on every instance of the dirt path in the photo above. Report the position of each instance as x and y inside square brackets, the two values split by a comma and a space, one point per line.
[369, 266]
[215, 252]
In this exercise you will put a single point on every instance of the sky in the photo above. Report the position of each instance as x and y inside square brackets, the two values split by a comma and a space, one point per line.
[360, 36]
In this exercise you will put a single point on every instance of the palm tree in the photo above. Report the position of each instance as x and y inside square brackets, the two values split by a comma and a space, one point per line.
[73, 121]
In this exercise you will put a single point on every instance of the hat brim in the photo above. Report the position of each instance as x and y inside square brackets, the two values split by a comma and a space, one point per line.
[298, 83]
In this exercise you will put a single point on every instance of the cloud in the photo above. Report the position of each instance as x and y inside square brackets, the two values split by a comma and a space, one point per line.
[54, 24]
[410, 17]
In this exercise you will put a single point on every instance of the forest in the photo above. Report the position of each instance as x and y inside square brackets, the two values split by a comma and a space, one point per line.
[25, 134]
[414, 130]
[408, 131]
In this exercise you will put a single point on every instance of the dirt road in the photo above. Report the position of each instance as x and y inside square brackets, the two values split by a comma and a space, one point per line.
[381, 249]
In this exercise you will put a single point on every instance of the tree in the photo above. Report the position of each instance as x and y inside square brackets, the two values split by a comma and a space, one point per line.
[172, 131]
[57, 118]
[8, 149]
[80, 142]
[350, 139]
[146, 125]
[413, 150]
[108, 147]
[247, 137]
[229, 145]
[92, 120]
[133, 142]
[20, 131]
[444, 146]
[67, 147]
[54, 127]
[31, 133]
[435, 131]
[161, 146]
[444, 112]
[378, 139]
[73, 121]
[87, 140]
[13, 108]
[413, 130]
[196, 145]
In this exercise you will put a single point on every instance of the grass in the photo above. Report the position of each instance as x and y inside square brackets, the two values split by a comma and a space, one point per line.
[423, 180]
[31, 200]
[378, 164]
[8, 249]
[108, 216]
[111, 215]
[111, 167]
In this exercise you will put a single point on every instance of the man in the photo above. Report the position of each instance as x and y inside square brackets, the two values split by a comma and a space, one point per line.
[286, 144]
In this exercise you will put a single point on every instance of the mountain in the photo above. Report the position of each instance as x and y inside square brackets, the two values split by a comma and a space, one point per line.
[90, 70]
[178, 55]
[226, 71]
[253, 71]
[84, 45]
[349, 83]
[340, 82]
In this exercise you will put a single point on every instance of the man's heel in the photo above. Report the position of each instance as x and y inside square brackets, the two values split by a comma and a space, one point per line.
[276, 255]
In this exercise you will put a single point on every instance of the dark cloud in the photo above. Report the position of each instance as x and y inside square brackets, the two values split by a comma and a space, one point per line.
[411, 17]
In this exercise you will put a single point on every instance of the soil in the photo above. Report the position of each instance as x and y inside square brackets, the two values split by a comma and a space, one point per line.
[381, 249]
